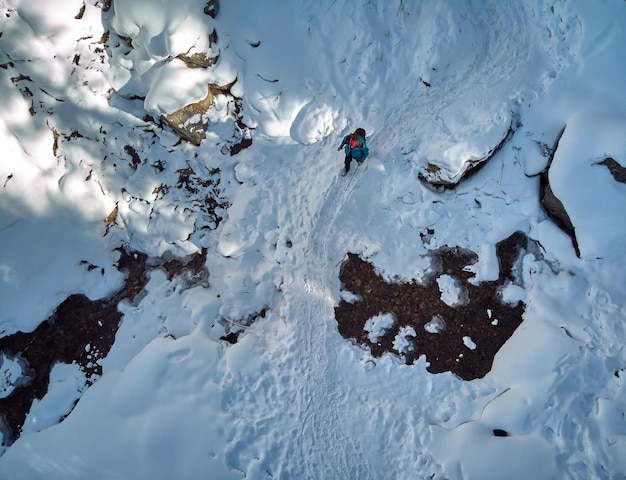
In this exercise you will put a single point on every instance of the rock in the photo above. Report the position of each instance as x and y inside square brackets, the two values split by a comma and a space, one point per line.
[438, 177]
[557, 213]
[551, 204]
[618, 172]
[190, 122]
[197, 60]
[212, 8]
[578, 193]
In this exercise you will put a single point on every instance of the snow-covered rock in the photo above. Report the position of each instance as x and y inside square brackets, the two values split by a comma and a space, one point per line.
[584, 186]
[465, 157]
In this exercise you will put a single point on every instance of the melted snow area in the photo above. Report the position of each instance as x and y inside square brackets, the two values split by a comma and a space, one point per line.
[88, 166]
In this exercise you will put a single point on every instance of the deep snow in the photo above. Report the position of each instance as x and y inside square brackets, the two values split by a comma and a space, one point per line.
[436, 82]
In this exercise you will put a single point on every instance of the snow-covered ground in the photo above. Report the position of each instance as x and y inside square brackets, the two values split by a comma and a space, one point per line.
[437, 85]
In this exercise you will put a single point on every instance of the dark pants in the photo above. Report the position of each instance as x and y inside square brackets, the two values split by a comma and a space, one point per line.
[348, 161]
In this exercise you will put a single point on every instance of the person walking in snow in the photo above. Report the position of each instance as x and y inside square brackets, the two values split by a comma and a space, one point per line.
[355, 147]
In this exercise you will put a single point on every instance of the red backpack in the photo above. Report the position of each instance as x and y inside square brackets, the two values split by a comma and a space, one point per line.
[356, 142]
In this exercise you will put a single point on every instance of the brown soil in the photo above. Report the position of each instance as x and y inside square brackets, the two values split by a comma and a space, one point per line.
[76, 323]
[413, 304]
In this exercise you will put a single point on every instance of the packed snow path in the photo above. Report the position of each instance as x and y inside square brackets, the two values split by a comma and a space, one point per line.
[336, 447]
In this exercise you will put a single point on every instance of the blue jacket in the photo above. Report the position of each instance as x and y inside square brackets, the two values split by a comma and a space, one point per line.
[358, 153]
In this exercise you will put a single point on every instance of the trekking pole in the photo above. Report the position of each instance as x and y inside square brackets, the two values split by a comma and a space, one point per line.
[351, 178]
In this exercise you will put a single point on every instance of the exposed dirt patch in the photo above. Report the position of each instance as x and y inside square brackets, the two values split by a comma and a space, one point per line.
[467, 335]
[82, 331]
[207, 194]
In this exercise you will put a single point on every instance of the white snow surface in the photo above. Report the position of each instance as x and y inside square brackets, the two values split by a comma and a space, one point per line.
[438, 81]
[452, 292]
[378, 325]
